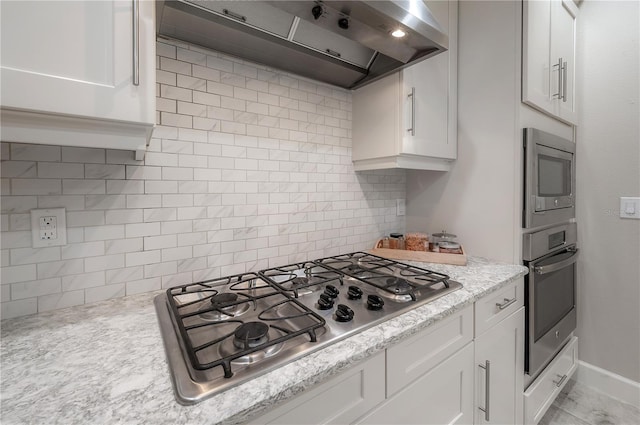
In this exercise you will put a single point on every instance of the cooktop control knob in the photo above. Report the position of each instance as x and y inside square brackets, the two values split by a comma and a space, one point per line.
[325, 302]
[331, 291]
[374, 302]
[344, 313]
[354, 293]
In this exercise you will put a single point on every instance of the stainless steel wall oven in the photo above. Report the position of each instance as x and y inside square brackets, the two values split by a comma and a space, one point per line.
[550, 286]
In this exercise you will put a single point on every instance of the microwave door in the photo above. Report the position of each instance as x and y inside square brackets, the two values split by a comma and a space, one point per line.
[553, 179]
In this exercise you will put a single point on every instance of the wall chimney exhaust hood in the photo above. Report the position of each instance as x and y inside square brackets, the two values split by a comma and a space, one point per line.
[344, 43]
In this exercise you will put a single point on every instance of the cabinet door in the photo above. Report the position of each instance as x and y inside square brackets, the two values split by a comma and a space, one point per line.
[500, 372]
[340, 400]
[444, 395]
[429, 107]
[548, 57]
[536, 45]
[563, 50]
[77, 58]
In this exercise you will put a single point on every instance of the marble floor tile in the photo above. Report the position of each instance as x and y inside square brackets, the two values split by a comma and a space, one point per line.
[578, 404]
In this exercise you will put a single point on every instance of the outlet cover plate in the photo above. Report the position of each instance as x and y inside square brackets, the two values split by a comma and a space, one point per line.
[401, 207]
[48, 227]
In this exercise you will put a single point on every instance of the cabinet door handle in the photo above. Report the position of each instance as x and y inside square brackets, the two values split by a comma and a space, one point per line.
[235, 16]
[564, 82]
[412, 95]
[559, 65]
[562, 379]
[136, 42]
[487, 387]
[507, 302]
[333, 53]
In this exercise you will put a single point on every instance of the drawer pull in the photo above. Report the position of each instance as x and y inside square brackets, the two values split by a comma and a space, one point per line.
[487, 367]
[562, 379]
[507, 302]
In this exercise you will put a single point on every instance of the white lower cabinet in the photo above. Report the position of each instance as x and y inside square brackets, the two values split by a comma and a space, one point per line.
[444, 395]
[541, 393]
[340, 400]
[499, 366]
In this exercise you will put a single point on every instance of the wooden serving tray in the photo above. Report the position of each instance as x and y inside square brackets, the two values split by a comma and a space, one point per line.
[424, 256]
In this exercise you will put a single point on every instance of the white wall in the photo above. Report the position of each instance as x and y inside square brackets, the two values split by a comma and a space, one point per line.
[248, 169]
[608, 166]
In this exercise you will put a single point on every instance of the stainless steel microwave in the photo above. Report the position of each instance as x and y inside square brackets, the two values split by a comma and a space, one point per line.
[549, 179]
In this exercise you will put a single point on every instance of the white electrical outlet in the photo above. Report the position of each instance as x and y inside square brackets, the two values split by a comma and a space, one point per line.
[401, 208]
[48, 227]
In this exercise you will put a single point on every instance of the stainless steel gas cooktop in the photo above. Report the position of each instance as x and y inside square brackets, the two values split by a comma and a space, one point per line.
[223, 332]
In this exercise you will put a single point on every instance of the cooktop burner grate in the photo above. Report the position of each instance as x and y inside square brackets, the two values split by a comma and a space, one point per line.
[399, 281]
[302, 278]
[209, 314]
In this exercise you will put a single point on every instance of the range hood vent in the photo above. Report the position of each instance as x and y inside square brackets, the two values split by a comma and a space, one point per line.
[344, 43]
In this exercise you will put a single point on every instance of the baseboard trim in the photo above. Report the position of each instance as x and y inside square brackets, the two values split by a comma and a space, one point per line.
[609, 383]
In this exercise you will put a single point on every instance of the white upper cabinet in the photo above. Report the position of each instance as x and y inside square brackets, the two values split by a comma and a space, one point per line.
[78, 73]
[548, 57]
[409, 119]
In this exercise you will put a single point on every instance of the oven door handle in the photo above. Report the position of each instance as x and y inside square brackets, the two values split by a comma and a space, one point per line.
[556, 266]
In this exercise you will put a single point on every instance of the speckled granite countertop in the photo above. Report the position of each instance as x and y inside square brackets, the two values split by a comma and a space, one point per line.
[105, 362]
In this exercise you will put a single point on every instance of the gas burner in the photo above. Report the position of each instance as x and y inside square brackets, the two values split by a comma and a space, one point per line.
[224, 306]
[257, 350]
[303, 278]
[251, 335]
[300, 281]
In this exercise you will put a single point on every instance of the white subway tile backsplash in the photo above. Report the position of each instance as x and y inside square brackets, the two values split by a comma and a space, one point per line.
[18, 239]
[83, 281]
[169, 281]
[158, 242]
[13, 274]
[106, 232]
[142, 229]
[25, 152]
[18, 308]
[82, 250]
[35, 288]
[248, 168]
[85, 218]
[175, 173]
[160, 269]
[102, 171]
[144, 285]
[141, 258]
[104, 262]
[102, 293]
[119, 246]
[36, 187]
[123, 216]
[83, 187]
[34, 255]
[18, 169]
[61, 300]
[124, 274]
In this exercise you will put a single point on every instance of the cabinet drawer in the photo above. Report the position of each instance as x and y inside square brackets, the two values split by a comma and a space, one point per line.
[497, 306]
[541, 393]
[339, 400]
[412, 358]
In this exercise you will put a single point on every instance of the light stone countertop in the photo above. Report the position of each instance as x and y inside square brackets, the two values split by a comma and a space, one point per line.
[105, 363]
